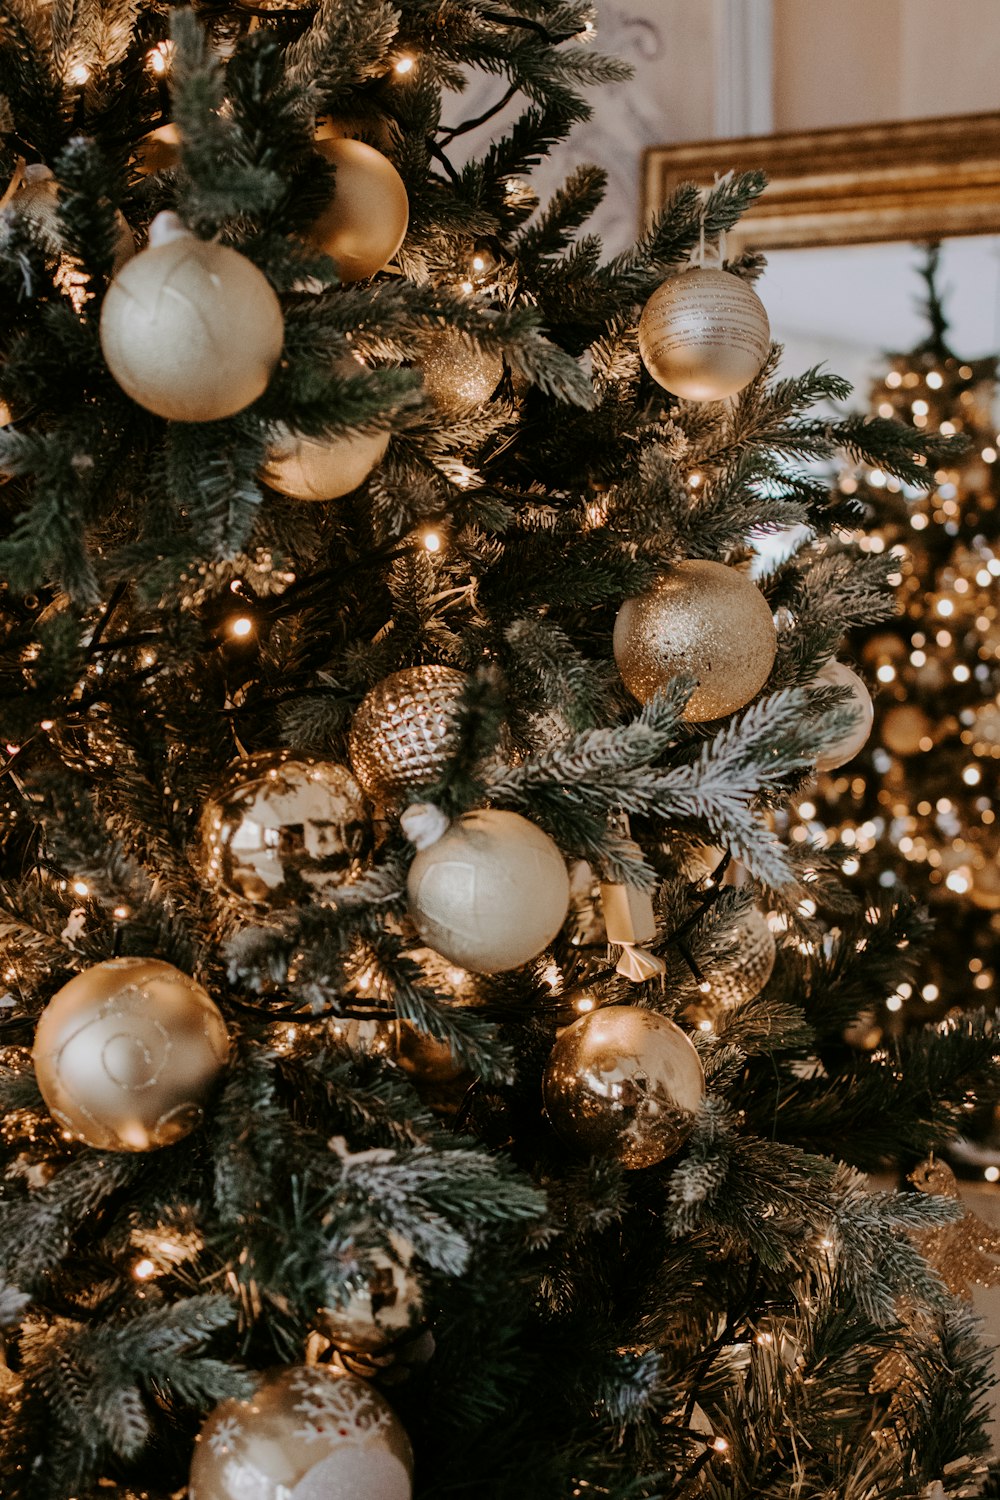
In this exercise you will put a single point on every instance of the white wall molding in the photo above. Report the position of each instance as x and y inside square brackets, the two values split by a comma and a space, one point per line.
[744, 67]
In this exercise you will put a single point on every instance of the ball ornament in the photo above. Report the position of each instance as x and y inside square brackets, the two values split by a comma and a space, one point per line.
[381, 1308]
[404, 731]
[365, 221]
[127, 1053]
[746, 972]
[308, 1433]
[703, 618]
[306, 468]
[37, 201]
[623, 1082]
[191, 329]
[491, 893]
[704, 335]
[836, 674]
[285, 829]
[456, 374]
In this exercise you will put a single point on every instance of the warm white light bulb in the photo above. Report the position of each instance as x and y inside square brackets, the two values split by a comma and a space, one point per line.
[241, 627]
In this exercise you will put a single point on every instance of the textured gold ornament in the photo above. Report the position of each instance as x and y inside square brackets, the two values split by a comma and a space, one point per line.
[703, 618]
[491, 893]
[85, 741]
[963, 1253]
[623, 1082]
[704, 335]
[365, 221]
[456, 374]
[744, 975]
[382, 1309]
[904, 726]
[836, 674]
[403, 733]
[191, 329]
[308, 1433]
[285, 829]
[127, 1053]
[306, 468]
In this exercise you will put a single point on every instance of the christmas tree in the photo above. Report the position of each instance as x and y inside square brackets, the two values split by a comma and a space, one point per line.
[395, 738]
[917, 807]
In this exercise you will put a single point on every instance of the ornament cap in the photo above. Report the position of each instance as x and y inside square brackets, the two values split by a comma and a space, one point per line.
[424, 824]
[167, 227]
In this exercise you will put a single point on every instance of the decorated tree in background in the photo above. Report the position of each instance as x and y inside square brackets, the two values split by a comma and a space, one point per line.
[917, 808]
[387, 707]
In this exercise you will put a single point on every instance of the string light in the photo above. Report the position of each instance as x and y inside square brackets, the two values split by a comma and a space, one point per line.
[432, 541]
[992, 1174]
[719, 1444]
[79, 74]
[144, 1269]
[158, 59]
[404, 64]
[121, 912]
[241, 627]
[80, 888]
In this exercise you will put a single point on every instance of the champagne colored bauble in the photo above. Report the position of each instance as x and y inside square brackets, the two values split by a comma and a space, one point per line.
[365, 221]
[704, 335]
[308, 1433]
[307, 468]
[427, 1059]
[403, 733]
[705, 619]
[159, 151]
[836, 674]
[285, 829]
[382, 1309]
[190, 329]
[491, 893]
[456, 374]
[745, 974]
[984, 891]
[127, 1053]
[623, 1082]
[38, 202]
[906, 729]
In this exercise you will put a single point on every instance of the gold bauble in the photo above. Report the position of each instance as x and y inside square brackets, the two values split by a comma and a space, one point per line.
[285, 829]
[456, 374]
[190, 329]
[985, 889]
[127, 1053]
[306, 468]
[159, 151]
[903, 727]
[38, 202]
[836, 674]
[427, 1059]
[623, 1082]
[403, 732]
[702, 618]
[745, 974]
[382, 1309]
[365, 221]
[308, 1433]
[704, 335]
[491, 893]
[863, 1033]
[85, 741]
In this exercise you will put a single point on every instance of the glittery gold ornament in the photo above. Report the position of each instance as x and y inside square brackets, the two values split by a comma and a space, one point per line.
[906, 729]
[306, 468]
[403, 733]
[623, 1082]
[191, 329]
[37, 200]
[964, 1252]
[491, 893]
[703, 618]
[308, 1433]
[286, 828]
[704, 335]
[456, 374]
[836, 674]
[365, 221]
[127, 1053]
[745, 974]
[381, 1308]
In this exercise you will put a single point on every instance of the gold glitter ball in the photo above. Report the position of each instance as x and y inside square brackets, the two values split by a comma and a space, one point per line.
[623, 1082]
[456, 374]
[703, 618]
[704, 335]
[403, 733]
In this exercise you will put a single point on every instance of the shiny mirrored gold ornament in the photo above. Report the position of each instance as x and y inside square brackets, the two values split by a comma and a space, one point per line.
[743, 975]
[308, 1433]
[456, 374]
[306, 468]
[704, 335]
[836, 674]
[906, 729]
[491, 893]
[703, 618]
[85, 740]
[623, 1082]
[382, 1307]
[191, 329]
[365, 221]
[285, 829]
[127, 1053]
[404, 730]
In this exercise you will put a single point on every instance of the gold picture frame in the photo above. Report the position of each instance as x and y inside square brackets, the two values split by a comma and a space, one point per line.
[855, 184]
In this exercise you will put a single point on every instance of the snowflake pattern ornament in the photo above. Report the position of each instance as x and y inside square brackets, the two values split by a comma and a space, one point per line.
[308, 1433]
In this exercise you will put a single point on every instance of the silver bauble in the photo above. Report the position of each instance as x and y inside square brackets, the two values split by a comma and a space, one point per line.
[836, 674]
[704, 335]
[623, 1082]
[286, 828]
[403, 732]
[308, 1433]
[703, 618]
[491, 893]
[127, 1053]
